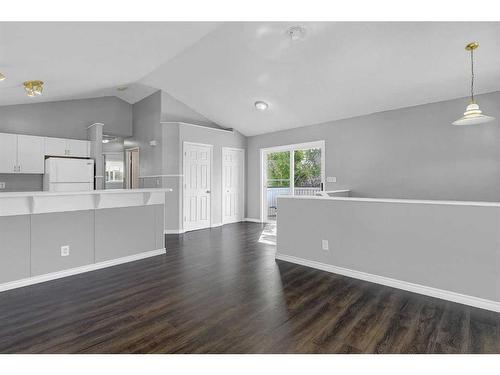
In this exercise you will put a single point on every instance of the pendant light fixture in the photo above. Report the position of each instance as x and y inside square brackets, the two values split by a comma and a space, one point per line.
[472, 115]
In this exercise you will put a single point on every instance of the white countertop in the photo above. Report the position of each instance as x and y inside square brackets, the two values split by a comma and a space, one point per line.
[38, 202]
[17, 194]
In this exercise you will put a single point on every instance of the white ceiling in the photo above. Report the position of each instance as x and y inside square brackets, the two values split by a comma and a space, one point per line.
[338, 70]
[88, 59]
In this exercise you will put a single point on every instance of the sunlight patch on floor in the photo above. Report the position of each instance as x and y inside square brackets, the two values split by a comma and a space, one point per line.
[268, 235]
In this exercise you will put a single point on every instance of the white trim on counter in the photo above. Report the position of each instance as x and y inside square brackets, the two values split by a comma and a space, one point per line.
[382, 200]
[394, 283]
[77, 270]
[85, 192]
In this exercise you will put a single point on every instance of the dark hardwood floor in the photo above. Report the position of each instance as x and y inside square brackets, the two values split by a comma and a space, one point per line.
[221, 291]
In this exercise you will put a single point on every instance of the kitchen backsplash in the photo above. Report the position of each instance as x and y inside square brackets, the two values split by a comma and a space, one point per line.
[21, 182]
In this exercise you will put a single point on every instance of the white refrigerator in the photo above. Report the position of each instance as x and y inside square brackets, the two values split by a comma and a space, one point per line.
[67, 174]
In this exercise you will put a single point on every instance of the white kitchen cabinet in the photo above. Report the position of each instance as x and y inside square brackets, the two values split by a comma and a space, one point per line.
[67, 147]
[8, 153]
[55, 146]
[21, 154]
[30, 154]
[78, 148]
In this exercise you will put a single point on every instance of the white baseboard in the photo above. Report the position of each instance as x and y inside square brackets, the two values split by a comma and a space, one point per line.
[77, 270]
[399, 284]
[252, 220]
[173, 231]
[216, 225]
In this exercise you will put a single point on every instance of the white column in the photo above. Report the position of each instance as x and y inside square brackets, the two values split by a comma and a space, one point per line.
[94, 134]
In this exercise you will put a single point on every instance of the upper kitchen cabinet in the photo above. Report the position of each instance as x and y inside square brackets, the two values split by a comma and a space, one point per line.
[55, 147]
[67, 147]
[78, 148]
[21, 154]
[30, 154]
[8, 153]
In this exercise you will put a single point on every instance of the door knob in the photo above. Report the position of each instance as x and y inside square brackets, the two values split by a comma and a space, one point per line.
[208, 192]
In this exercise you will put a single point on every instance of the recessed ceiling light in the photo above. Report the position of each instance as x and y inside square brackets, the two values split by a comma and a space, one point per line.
[105, 141]
[261, 106]
[2, 77]
[122, 88]
[296, 32]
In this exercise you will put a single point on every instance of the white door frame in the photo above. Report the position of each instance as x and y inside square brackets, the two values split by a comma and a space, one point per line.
[263, 169]
[242, 208]
[183, 214]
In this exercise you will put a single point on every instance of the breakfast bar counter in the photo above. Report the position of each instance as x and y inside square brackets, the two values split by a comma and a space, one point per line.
[48, 235]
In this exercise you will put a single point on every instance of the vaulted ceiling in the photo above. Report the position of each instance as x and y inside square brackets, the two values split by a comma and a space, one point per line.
[336, 70]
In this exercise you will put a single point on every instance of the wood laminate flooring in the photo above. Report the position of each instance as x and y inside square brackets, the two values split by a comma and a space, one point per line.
[221, 291]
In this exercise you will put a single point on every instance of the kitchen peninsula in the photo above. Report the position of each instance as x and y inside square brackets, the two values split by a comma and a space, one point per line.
[48, 235]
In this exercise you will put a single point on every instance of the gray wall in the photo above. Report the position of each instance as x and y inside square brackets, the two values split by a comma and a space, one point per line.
[146, 127]
[30, 245]
[449, 247]
[173, 110]
[406, 153]
[68, 118]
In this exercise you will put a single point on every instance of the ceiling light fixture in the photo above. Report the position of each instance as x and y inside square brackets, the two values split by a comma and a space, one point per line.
[33, 88]
[122, 88]
[105, 140]
[261, 106]
[472, 115]
[296, 32]
[2, 77]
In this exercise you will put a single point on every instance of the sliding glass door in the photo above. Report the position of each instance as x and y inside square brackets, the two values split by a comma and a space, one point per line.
[290, 170]
[307, 176]
[278, 180]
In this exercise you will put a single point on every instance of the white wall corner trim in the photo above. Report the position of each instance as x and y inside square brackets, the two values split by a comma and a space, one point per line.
[77, 270]
[394, 283]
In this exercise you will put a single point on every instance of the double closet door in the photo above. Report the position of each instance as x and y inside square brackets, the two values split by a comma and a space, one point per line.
[202, 207]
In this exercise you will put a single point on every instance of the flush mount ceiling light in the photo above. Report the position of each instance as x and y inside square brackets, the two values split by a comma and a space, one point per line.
[296, 32]
[33, 88]
[261, 106]
[472, 115]
[122, 88]
[2, 77]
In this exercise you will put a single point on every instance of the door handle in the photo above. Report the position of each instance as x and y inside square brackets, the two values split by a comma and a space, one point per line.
[208, 192]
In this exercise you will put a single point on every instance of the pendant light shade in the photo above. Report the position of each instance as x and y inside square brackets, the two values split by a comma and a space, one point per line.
[472, 115]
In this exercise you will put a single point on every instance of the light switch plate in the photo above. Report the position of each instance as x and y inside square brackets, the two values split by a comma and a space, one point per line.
[65, 250]
[2, 185]
[324, 245]
[331, 179]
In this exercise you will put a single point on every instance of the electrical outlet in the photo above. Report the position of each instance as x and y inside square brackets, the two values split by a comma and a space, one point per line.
[324, 245]
[2, 185]
[331, 179]
[65, 250]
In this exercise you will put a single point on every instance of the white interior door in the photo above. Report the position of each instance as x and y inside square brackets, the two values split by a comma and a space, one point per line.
[197, 186]
[232, 185]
